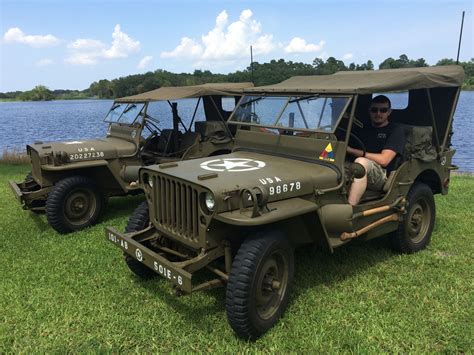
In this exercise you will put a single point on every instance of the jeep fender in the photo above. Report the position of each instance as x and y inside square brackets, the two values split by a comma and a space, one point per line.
[99, 170]
[299, 218]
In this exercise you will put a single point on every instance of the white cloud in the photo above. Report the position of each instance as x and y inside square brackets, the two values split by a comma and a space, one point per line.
[44, 62]
[86, 51]
[188, 48]
[122, 45]
[226, 41]
[15, 34]
[299, 45]
[347, 56]
[86, 44]
[144, 62]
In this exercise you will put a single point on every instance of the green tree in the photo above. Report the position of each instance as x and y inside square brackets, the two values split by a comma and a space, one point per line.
[39, 93]
[364, 66]
[446, 61]
[402, 62]
[331, 66]
[101, 89]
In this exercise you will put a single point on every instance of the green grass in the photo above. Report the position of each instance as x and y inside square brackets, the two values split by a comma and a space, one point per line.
[74, 292]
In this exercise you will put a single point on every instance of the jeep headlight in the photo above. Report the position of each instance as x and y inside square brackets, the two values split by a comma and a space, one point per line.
[209, 201]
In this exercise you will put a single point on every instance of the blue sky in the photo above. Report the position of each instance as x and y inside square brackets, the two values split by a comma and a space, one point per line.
[70, 44]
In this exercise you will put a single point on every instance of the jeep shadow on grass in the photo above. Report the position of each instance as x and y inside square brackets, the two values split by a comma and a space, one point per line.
[72, 181]
[285, 185]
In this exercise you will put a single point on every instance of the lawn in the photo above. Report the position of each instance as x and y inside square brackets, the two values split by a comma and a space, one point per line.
[74, 293]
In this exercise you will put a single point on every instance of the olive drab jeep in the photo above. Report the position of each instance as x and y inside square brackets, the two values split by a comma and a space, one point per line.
[285, 185]
[71, 181]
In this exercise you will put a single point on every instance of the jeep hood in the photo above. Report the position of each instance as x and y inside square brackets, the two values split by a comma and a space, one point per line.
[83, 150]
[281, 176]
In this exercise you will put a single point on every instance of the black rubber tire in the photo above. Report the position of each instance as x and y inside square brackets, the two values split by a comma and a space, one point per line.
[139, 220]
[414, 232]
[250, 268]
[59, 198]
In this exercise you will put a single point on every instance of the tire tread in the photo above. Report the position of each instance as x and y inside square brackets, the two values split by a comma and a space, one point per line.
[399, 240]
[54, 203]
[244, 268]
[138, 221]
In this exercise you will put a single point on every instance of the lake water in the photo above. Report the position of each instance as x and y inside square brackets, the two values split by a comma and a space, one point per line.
[26, 122]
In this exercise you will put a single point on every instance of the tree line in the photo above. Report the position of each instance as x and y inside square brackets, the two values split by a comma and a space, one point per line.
[272, 72]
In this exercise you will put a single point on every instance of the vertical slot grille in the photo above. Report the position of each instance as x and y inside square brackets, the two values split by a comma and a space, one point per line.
[177, 209]
[36, 164]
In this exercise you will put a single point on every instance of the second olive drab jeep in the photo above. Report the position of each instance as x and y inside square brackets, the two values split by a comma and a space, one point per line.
[285, 185]
[71, 181]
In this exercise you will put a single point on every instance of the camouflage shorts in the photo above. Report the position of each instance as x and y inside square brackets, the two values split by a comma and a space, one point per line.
[376, 176]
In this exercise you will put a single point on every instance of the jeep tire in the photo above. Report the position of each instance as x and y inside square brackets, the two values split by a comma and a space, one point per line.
[139, 220]
[259, 284]
[74, 204]
[414, 232]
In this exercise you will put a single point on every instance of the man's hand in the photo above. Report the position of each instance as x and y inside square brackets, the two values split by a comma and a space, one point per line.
[384, 158]
[355, 152]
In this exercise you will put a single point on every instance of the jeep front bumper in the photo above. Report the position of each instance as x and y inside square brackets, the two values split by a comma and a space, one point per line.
[16, 190]
[29, 198]
[162, 266]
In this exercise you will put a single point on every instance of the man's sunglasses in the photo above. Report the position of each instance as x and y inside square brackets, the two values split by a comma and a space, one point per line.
[377, 109]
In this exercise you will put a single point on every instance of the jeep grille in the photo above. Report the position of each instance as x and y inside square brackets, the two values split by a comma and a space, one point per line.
[177, 209]
[35, 165]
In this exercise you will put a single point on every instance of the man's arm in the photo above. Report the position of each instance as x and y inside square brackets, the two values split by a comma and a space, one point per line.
[383, 159]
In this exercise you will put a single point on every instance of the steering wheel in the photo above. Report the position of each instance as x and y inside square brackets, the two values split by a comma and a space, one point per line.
[254, 118]
[146, 141]
[357, 139]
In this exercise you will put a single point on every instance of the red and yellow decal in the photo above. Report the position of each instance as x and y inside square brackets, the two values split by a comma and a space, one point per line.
[327, 154]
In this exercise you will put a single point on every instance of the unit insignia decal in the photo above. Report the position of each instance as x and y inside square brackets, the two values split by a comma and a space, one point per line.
[327, 154]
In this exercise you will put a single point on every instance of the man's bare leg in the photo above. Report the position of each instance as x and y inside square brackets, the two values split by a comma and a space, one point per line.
[358, 186]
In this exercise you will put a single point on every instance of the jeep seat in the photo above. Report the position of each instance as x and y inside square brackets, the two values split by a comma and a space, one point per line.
[418, 146]
[187, 140]
[210, 128]
[166, 144]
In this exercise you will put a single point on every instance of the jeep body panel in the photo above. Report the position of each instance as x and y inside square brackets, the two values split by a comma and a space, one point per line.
[286, 184]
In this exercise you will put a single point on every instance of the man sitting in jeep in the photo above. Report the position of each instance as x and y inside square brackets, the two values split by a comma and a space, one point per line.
[383, 141]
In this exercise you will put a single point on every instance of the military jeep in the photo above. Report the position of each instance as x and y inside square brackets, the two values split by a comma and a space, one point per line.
[285, 185]
[71, 181]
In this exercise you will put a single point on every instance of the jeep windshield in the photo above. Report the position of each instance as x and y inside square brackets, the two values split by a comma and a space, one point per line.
[125, 113]
[302, 113]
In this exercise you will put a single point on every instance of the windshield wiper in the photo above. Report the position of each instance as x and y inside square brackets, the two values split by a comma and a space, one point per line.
[115, 106]
[303, 98]
[251, 101]
[129, 108]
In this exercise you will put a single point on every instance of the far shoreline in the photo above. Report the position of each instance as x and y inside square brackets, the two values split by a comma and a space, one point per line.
[61, 99]
[96, 98]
